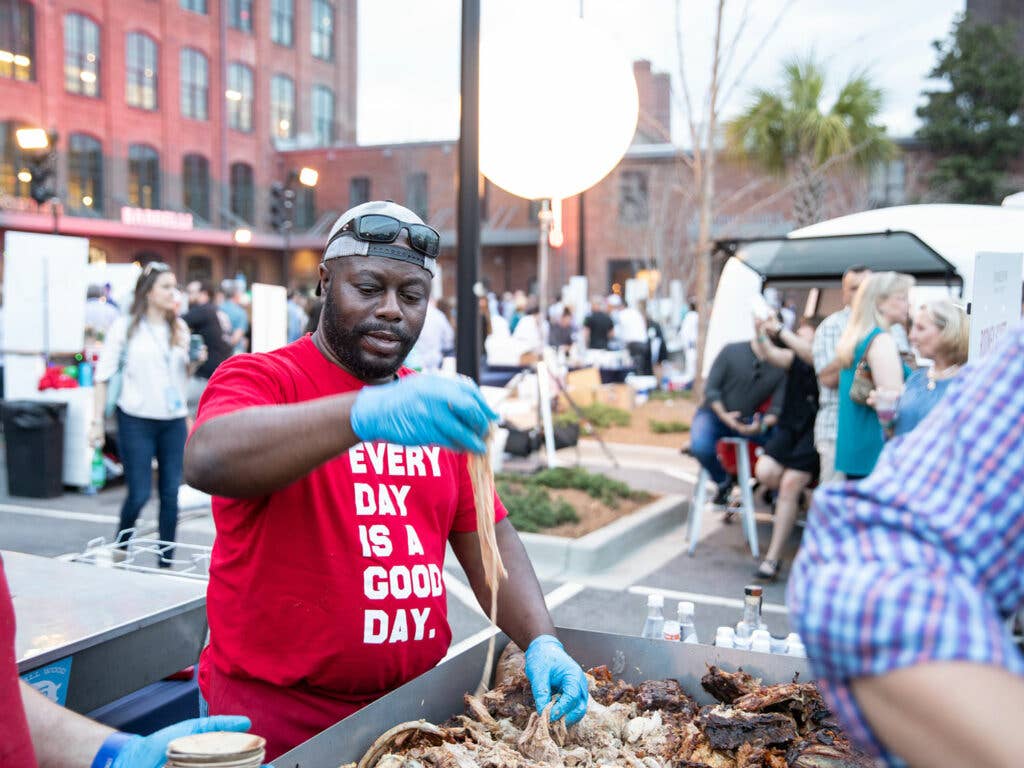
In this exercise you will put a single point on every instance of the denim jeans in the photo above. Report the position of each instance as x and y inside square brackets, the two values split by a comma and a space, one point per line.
[139, 441]
[705, 432]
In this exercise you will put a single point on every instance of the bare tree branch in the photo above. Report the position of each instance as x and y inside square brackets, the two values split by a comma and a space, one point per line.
[757, 49]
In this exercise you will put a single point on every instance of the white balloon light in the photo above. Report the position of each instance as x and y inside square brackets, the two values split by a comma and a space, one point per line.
[558, 105]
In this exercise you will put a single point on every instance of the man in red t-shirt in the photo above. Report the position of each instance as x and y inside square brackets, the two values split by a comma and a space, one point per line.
[33, 728]
[338, 478]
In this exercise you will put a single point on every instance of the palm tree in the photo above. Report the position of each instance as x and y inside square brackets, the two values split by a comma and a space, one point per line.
[787, 133]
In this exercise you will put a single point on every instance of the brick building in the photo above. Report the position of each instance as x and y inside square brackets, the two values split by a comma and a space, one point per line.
[173, 106]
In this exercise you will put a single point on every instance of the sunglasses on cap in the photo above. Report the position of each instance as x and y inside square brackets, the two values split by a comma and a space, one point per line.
[381, 228]
[155, 266]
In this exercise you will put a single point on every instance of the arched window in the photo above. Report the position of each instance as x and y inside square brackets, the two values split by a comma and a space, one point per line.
[143, 176]
[282, 22]
[239, 96]
[81, 55]
[282, 107]
[196, 180]
[85, 174]
[242, 204]
[323, 115]
[140, 70]
[18, 38]
[195, 84]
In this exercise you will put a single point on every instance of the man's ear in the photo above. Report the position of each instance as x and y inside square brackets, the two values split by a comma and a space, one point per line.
[325, 276]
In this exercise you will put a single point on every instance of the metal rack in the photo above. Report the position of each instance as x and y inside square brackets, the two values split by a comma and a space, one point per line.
[143, 555]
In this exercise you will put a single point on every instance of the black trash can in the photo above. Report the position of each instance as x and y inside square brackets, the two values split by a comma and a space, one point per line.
[34, 440]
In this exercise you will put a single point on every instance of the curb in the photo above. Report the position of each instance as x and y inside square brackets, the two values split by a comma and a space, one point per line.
[558, 557]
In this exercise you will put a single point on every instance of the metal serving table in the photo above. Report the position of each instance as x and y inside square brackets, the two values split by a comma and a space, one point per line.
[437, 695]
[116, 630]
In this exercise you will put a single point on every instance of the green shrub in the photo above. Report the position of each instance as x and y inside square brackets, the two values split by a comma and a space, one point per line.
[663, 395]
[599, 415]
[606, 490]
[531, 508]
[666, 427]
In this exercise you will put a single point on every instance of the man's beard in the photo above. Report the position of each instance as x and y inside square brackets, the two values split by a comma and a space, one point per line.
[344, 344]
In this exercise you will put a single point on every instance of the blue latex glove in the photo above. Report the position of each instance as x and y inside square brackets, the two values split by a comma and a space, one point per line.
[549, 667]
[423, 410]
[151, 751]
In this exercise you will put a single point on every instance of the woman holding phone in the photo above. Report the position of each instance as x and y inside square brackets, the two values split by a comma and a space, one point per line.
[147, 354]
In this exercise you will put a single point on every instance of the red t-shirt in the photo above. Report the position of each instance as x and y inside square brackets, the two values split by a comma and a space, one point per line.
[15, 743]
[328, 593]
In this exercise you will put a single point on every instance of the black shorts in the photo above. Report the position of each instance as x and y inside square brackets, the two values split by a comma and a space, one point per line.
[794, 450]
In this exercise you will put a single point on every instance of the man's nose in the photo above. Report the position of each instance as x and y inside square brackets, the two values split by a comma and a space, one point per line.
[389, 308]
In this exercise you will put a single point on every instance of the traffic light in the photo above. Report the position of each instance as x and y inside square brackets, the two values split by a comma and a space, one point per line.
[282, 204]
[41, 187]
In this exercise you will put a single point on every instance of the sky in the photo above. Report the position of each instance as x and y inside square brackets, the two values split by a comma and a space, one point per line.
[409, 51]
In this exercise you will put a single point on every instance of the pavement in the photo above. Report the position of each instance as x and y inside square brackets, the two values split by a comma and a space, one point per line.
[612, 600]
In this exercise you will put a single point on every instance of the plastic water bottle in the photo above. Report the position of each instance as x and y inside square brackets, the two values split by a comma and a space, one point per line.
[795, 646]
[724, 637]
[761, 641]
[687, 627]
[670, 630]
[655, 622]
[97, 473]
[751, 620]
[85, 374]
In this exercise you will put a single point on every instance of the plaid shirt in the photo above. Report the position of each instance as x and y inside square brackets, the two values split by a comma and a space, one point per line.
[826, 339]
[924, 559]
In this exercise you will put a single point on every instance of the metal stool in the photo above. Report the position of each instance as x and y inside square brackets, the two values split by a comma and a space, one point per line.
[746, 495]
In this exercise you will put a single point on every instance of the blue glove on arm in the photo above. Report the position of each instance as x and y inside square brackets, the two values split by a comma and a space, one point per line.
[122, 750]
[423, 410]
[549, 667]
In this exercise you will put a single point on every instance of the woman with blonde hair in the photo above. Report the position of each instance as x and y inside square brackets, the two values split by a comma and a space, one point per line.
[881, 301]
[940, 333]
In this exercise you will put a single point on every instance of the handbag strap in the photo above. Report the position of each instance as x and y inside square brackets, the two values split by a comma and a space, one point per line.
[862, 358]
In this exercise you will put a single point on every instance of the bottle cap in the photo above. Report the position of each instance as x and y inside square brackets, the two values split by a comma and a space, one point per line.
[754, 590]
[686, 608]
[793, 637]
[762, 634]
[725, 632]
[655, 601]
[670, 630]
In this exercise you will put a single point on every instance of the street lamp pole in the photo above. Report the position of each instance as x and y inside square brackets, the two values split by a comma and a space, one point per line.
[544, 218]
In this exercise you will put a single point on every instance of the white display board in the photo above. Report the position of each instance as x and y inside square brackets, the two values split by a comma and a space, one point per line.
[122, 279]
[577, 297]
[44, 293]
[636, 290]
[739, 290]
[995, 306]
[269, 317]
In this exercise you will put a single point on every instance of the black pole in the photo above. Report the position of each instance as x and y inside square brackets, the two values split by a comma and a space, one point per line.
[467, 317]
[581, 252]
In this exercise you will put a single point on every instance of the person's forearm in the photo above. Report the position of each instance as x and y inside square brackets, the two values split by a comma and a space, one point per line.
[947, 713]
[61, 738]
[259, 450]
[723, 415]
[522, 613]
[829, 375]
[801, 347]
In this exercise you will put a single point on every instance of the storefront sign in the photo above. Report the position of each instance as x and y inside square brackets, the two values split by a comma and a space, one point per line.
[145, 217]
[996, 304]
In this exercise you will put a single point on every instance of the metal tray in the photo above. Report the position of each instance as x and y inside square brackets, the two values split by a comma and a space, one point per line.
[437, 695]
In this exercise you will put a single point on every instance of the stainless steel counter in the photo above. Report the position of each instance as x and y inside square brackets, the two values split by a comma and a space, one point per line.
[122, 630]
[437, 694]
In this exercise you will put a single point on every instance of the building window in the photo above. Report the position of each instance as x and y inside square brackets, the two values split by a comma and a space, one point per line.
[887, 183]
[358, 191]
[633, 197]
[305, 208]
[196, 6]
[242, 196]
[282, 22]
[323, 115]
[17, 40]
[239, 96]
[416, 194]
[322, 30]
[140, 66]
[85, 174]
[195, 84]
[282, 107]
[81, 55]
[143, 176]
[196, 179]
[198, 268]
[240, 14]
[12, 162]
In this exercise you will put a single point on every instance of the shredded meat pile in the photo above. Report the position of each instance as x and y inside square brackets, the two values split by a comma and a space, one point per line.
[651, 725]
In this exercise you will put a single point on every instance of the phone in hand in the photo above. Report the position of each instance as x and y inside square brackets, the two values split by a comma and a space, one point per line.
[195, 346]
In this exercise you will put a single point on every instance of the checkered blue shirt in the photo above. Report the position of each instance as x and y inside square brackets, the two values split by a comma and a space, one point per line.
[924, 559]
[826, 339]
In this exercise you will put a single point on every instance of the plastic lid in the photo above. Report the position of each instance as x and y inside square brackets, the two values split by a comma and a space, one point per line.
[655, 601]
[725, 632]
[754, 590]
[686, 607]
[793, 637]
[671, 627]
[761, 634]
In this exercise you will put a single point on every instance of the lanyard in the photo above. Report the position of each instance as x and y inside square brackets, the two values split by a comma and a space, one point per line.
[164, 353]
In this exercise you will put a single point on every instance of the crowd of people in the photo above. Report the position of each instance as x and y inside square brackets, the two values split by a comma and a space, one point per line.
[823, 397]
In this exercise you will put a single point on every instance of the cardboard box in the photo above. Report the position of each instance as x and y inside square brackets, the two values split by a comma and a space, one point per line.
[617, 395]
[584, 377]
[581, 395]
